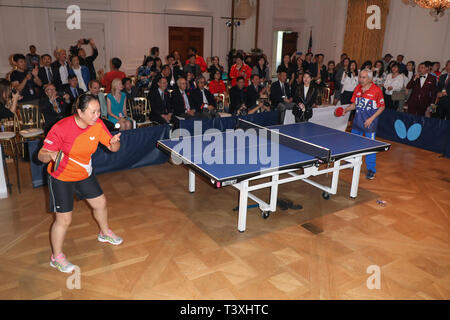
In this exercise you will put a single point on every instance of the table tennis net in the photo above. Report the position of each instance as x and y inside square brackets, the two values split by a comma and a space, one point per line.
[314, 150]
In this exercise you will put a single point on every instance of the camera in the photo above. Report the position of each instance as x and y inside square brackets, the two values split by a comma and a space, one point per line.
[85, 41]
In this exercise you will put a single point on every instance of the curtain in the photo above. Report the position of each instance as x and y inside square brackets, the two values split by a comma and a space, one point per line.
[362, 43]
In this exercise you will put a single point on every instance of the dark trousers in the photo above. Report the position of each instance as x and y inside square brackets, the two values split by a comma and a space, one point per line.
[346, 98]
[443, 110]
[390, 104]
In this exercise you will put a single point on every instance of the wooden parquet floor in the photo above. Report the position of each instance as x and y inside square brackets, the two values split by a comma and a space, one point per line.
[179, 245]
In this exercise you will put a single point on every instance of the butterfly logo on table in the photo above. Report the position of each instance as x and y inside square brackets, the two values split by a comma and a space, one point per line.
[412, 134]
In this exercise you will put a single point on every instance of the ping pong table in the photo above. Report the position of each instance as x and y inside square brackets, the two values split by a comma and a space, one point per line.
[302, 150]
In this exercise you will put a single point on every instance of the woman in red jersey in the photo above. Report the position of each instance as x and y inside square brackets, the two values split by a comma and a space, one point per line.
[77, 137]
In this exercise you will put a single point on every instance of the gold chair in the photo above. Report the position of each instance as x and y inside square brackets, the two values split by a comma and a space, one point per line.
[8, 139]
[326, 96]
[29, 124]
[221, 103]
[139, 111]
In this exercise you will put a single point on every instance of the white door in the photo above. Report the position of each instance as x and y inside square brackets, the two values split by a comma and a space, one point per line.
[66, 38]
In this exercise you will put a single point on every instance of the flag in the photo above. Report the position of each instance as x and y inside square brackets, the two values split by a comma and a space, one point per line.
[310, 42]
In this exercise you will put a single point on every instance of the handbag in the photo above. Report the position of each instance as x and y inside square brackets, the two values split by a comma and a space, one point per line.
[399, 95]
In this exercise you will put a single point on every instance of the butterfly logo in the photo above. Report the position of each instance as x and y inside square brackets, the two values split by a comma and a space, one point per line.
[412, 134]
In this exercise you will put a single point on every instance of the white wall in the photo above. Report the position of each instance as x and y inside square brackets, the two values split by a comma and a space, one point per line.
[411, 31]
[132, 27]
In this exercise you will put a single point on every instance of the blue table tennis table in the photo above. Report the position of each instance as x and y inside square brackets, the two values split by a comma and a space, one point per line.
[283, 153]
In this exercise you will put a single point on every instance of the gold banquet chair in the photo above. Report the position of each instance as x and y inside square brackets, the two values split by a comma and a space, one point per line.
[8, 140]
[29, 124]
[139, 111]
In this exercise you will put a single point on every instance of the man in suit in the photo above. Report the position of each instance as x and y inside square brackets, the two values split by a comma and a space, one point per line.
[165, 73]
[254, 92]
[280, 96]
[180, 101]
[60, 69]
[202, 100]
[72, 89]
[130, 90]
[53, 107]
[386, 60]
[443, 103]
[45, 72]
[423, 91]
[176, 70]
[161, 110]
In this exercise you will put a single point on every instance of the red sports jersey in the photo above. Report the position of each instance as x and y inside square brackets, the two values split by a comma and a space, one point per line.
[367, 104]
[78, 145]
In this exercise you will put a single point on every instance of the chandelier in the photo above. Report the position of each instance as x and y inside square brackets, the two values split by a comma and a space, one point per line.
[437, 7]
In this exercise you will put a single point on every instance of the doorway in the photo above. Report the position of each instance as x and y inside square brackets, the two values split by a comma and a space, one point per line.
[182, 38]
[285, 42]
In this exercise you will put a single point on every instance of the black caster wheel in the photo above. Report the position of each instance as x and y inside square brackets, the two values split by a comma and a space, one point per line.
[326, 195]
[265, 214]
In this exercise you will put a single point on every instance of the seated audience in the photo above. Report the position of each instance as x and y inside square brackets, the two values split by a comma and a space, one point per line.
[45, 72]
[176, 70]
[239, 98]
[180, 101]
[154, 52]
[116, 103]
[305, 99]
[53, 106]
[81, 72]
[94, 89]
[72, 89]
[88, 61]
[115, 73]
[25, 82]
[8, 100]
[161, 109]
[165, 73]
[298, 81]
[261, 69]
[157, 65]
[177, 56]
[217, 86]
[254, 92]
[60, 69]
[213, 66]
[130, 91]
[13, 65]
[145, 75]
[240, 69]
[198, 59]
[190, 78]
[191, 66]
[281, 96]
[202, 100]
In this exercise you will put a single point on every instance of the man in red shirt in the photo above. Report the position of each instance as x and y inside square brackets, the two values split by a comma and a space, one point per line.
[368, 101]
[198, 59]
[107, 79]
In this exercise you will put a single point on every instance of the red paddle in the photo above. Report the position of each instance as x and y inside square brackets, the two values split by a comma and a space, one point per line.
[339, 112]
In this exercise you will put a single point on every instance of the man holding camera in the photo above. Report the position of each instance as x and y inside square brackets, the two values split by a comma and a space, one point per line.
[25, 82]
[85, 60]
[254, 92]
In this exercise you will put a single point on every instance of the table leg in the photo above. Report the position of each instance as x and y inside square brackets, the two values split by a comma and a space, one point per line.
[355, 179]
[243, 198]
[274, 193]
[191, 181]
[335, 178]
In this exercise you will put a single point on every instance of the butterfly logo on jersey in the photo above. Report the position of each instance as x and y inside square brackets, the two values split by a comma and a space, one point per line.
[412, 134]
[92, 138]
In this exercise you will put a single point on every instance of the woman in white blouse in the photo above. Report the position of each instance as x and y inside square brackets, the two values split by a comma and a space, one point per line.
[394, 82]
[378, 73]
[349, 82]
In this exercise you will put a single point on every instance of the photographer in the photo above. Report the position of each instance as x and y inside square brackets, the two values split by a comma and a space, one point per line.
[239, 99]
[53, 106]
[88, 61]
[254, 92]
[25, 82]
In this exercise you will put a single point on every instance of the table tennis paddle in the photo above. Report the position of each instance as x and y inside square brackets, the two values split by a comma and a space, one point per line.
[339, 112]
[57, 160]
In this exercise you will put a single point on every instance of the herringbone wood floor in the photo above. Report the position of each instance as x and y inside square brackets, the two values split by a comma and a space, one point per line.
[186, 246]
